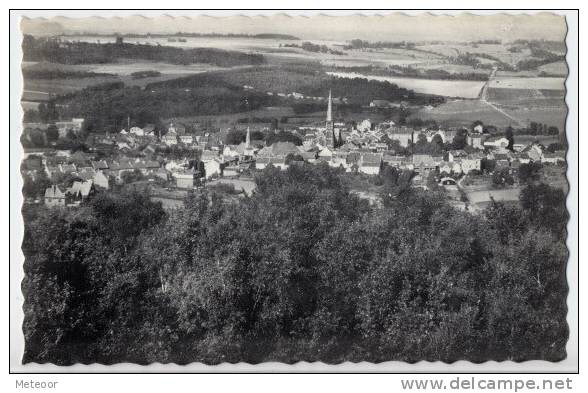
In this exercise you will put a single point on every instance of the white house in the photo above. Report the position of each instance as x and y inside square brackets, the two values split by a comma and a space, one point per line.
[497, 143]
[54, 196]
[365, 125]
[471, 163]
[101, 180]
[212, 168]
[137, 131]
[170, 139]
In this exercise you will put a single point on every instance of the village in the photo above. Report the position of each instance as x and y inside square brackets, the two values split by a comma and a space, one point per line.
[170, 162]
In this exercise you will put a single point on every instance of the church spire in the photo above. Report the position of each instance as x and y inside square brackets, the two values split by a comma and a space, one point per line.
[330, 108]
[248, 138]
[330, 131]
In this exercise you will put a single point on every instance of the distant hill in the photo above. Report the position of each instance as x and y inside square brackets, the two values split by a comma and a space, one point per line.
[273, 36]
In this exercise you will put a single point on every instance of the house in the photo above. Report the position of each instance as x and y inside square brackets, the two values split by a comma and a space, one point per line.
[430, 135]
[497, 142]
[476, 140]
[212, 168]
[339, 160]
[176, 165]
[230, 153]
[145, 166]
[186, 179]
[86, 173]
[262, 162]
[54, 196]
[282, 149]
[79, 191]
[67, 168]
[75, 125]
[176, 129]
[370, 163]
[124, 146]
[518, 147]
[117, 168]
[404, 135]
[101, 180]
[170, 139]
[452, 155]
[138, 131]
[186, 139]
[365, 125]
[471, 163]
[149, 130]
[534, 151]
[231, 171]
[450, 167]
[99, 165]
[309, 156]
[325, 153]
[395, 161]
[424, 163]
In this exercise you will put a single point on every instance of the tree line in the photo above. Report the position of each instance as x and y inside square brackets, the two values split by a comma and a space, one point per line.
[47, 49]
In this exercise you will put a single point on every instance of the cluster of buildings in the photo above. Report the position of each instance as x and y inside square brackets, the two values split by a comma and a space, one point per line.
[364, 148]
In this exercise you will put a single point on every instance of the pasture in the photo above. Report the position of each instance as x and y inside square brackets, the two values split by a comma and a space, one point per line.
[457, 113]
[538, 83]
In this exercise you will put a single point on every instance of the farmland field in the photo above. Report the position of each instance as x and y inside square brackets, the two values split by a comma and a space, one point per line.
[498, 51]
[557, 68]
[463, 112]
[540, 83]
[458, 113]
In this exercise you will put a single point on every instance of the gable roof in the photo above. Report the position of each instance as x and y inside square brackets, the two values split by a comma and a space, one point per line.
[284, 148]
[54, 192]
[82, 188]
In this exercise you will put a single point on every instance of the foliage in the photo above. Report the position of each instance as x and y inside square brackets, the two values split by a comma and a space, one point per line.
[303, 269]
[502, 177]
[529, 172]
[35, 186]
[28, 73]
[282, 136]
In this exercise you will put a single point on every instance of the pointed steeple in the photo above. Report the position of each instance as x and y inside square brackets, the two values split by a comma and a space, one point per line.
[330, 108]
[248, 138]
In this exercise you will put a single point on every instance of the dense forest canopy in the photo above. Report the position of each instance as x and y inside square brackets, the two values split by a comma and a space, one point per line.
[301, 270]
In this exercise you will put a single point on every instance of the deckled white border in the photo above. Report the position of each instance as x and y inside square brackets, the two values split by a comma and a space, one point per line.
[16, 228]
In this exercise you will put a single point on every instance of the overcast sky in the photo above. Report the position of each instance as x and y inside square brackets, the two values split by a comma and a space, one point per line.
[385, 27]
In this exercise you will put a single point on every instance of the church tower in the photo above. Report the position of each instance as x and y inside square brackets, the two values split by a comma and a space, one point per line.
[330, 132]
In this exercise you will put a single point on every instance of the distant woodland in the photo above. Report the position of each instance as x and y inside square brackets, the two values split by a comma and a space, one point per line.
[39, 49]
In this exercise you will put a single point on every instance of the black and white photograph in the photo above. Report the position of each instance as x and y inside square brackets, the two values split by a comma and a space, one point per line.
[327, 189]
